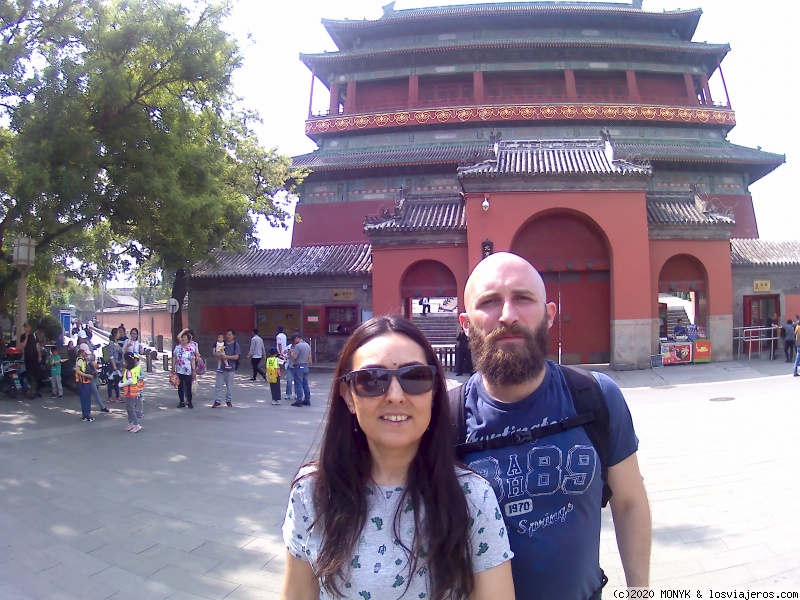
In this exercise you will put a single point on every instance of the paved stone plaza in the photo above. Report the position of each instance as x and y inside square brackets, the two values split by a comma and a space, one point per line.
[192, 505]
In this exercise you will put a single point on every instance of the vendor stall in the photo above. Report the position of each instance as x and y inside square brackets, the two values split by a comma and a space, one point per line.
[692, 348]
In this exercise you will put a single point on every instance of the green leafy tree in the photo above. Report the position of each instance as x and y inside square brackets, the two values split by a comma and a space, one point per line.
[151, 285]
[125, 144]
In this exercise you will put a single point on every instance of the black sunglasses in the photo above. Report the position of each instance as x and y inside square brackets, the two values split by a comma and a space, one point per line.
[371, 383]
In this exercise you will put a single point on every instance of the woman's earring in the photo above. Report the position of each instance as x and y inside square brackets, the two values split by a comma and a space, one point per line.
[355, 424]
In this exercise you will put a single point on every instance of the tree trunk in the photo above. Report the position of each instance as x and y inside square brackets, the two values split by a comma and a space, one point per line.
[179, 293]
[8, 290]
[8, 284]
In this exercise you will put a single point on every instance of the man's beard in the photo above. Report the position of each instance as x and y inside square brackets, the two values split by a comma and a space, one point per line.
[510, 364]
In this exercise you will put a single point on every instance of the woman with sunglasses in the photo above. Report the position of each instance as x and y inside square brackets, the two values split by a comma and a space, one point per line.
[385, 512]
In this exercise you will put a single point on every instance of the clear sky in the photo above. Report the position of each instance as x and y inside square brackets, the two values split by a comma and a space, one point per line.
[760, 72]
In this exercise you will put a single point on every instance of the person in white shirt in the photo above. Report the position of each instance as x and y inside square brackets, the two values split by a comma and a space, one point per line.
[280, 341]
[255, 355]
[426, 305]
[285, 353]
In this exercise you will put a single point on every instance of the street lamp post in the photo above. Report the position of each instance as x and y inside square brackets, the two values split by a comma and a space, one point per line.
[23, 258]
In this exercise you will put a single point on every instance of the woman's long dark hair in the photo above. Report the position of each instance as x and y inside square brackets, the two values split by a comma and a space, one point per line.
[344, 469]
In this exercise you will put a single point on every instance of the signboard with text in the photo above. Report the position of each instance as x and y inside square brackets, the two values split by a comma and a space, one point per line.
[761, 286]
[345, 295]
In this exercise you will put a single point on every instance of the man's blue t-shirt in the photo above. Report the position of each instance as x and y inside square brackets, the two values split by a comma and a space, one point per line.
[549, 490]
[231, 349]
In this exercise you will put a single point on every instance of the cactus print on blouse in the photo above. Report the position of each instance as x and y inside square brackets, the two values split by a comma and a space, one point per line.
[379, 567]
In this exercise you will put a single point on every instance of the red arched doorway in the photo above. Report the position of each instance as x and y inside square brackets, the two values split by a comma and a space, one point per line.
[572, 256]
[684, 276]
[426, 278]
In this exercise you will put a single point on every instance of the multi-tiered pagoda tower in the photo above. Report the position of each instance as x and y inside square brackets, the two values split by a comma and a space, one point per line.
[581, 136]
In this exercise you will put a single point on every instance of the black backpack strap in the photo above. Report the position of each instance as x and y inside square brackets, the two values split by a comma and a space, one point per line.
[523, 436]
[456, 398]
[587, 397]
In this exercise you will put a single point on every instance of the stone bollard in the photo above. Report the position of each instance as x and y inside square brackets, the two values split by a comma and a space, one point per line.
[166, 362]
[151, 357]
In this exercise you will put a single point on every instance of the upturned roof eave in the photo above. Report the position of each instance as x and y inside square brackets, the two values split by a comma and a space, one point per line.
[717, 51]
[201, 276]
[762, 165]
[779, 159]
[382, 165]
[759, 170]
[380, 159]
[719, 159]
[661, 226]
[386, 164]
[765, 264]
[344, 32]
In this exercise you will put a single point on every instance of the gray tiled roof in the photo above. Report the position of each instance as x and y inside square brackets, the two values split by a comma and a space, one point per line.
[124, 300]
[321, 161]
[350, 259]
[721, 151]
[763, 253]
[510, 8]
[554, 157]
[684, 21]
[422, 214]
[680, 211]
[717, 152]
[326, 59]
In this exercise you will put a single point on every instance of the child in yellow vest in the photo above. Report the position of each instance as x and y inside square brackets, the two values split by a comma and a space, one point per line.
[274, 375]
[132, 386]
[140, 396]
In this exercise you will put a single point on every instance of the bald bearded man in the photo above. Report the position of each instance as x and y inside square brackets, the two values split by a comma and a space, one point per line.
[550, 489]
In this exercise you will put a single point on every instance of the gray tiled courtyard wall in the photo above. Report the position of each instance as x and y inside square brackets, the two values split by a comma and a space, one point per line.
[783, 280]
[266, 291]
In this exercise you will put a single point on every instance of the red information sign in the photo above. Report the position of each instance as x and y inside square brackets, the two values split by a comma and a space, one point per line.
[675, 353]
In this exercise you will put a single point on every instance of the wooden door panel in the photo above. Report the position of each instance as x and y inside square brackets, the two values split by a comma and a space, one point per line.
[586, 318]
[582, 327]
[551, 288]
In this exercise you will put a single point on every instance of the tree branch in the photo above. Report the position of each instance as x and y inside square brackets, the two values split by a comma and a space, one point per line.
[47, 239]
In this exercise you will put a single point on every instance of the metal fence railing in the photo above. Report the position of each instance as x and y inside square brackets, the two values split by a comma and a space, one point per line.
[325, 351]
[762, 342]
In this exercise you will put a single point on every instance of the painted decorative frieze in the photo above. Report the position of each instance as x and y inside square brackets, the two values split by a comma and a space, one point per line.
[578, 112]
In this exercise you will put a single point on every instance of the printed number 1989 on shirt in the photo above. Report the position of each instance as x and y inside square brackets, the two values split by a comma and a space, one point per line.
[547, 471]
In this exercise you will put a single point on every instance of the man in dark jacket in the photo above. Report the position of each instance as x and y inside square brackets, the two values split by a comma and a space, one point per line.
[32, 353]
